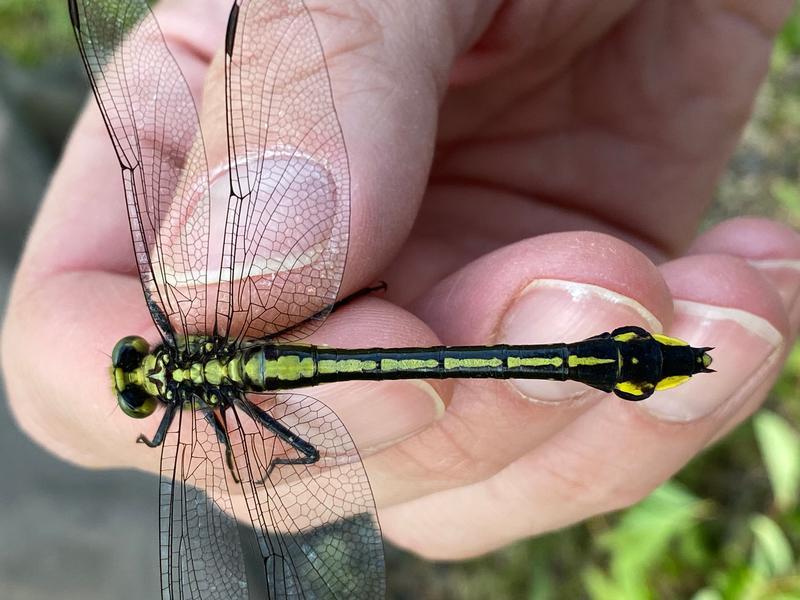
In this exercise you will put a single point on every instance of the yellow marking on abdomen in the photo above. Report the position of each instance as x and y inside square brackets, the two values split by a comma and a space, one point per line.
[668, 341]
[671, 382]
[471, 363]
[350, 365]
[408, 364]
[530, 361]
[290, 368]
[626, 337]
[588, 361]
[632, 388]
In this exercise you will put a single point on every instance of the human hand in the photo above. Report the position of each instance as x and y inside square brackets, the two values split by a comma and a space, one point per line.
[611, 118]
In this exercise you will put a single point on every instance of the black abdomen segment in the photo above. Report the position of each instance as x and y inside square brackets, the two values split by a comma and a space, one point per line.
[629, 361]
[440, 362]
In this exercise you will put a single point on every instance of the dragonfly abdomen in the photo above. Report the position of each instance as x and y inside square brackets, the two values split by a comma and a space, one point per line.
[629, 361]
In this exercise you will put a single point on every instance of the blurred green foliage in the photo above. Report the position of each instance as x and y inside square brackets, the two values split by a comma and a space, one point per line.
[33, 31]
[728, 526]
[30, 32]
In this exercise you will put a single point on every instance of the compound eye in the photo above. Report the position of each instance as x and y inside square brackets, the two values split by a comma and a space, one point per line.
[136, 403]
[129, 352]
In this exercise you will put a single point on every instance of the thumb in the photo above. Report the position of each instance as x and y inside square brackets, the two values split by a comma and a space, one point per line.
[388, 69]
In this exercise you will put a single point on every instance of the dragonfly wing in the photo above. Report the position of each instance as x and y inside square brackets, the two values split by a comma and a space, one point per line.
[316, 524]
[288, 216]
[201, 549]
[150, 115]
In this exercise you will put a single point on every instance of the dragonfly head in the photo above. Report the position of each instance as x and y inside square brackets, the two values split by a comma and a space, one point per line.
[130, 382]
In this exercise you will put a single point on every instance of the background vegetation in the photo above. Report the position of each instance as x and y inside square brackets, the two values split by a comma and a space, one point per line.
[728, 526]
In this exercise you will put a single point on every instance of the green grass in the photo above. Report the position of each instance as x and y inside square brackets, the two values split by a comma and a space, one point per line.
[728, 526]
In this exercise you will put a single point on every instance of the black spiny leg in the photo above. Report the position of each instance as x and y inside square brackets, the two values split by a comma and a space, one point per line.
[222, 435]
[309, 454]
[161, 433]
[160, 319]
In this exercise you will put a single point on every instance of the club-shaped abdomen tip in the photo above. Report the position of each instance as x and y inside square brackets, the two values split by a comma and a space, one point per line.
[704, 360]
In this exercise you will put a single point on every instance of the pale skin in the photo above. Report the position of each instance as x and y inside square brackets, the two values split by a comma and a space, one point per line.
[605, 124]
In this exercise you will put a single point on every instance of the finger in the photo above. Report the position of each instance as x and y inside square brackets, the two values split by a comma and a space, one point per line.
[681, 145]
[369, 48]
[561, 287]
[773, 248]
[616, 453]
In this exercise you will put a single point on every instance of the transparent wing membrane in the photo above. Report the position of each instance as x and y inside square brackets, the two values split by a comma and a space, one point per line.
[318, 530]
[200, 547]
[150, 115]
[288, 217]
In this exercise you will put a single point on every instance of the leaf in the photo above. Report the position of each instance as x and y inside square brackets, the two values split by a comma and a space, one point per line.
[541, 587]
[644, 531]
[780, 450]
[707, 594]
[739, 582]
[602, 587]
[641, 539]
[772, 553]
[788, 42]
[787, 194]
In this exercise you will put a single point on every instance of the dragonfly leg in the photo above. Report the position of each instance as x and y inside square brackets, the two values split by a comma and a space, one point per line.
[161, 433]
[222, 435]
[159, 317]
[308, 453]
[381, 287]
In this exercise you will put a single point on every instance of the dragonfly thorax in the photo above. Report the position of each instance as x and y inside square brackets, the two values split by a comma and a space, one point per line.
[143, 377]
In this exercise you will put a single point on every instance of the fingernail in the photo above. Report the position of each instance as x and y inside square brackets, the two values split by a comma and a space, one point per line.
[378, 415]
[746, 350]
[784, 274]
[279, 184]
[553, 310]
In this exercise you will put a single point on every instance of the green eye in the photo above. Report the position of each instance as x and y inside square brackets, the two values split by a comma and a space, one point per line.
[136, 403]
[129, 352]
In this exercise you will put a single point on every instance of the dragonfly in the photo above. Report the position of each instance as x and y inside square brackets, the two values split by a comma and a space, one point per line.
[236, 284]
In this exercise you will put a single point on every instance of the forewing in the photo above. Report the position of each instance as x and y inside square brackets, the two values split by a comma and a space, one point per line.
[288, 217]
[201, 553]
[150, 115]
[316, 524]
